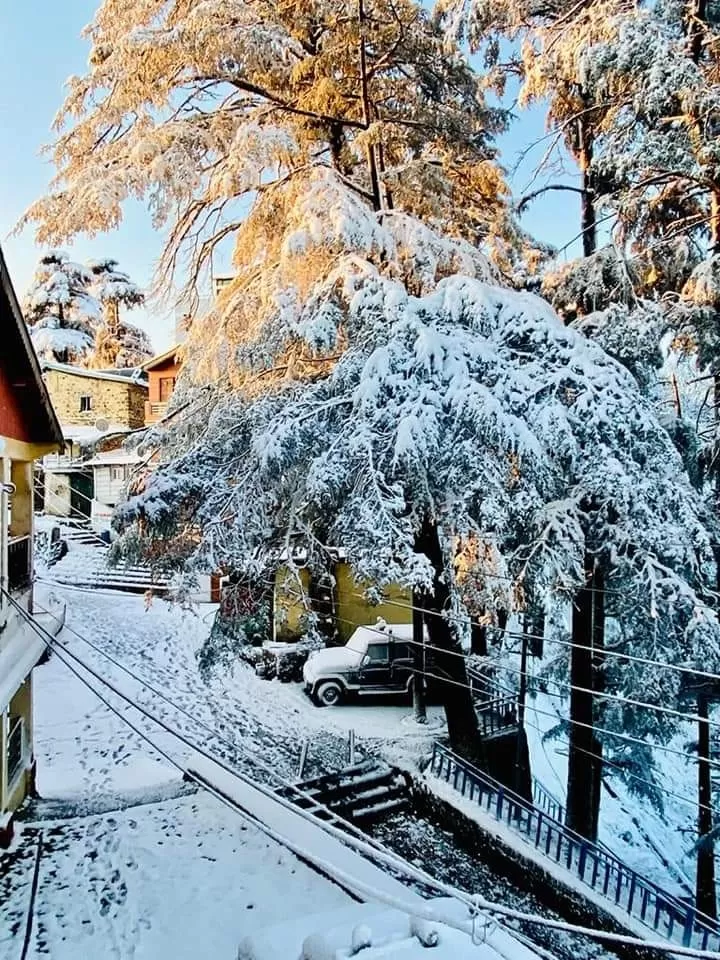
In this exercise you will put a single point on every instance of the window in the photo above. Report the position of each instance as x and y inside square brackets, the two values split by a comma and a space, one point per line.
[402, 651]
[377, 652]
[118, 473]
[85, 404]
[15, 748]
[167, 385]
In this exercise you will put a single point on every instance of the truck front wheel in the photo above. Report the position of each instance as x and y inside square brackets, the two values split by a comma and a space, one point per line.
[328, 694]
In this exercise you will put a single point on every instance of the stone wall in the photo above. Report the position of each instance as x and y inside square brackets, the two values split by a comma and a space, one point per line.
[113, 400]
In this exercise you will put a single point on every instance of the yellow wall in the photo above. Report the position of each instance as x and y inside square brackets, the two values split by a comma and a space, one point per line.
[353, 610]
[290, 603]
[20, 705]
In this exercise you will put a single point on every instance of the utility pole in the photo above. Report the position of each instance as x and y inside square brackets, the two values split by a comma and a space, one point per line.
[418, 652]
[705, 899]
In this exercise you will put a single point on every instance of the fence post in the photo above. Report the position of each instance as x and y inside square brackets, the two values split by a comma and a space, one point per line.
[631, 892]
[582, 858]
[688, 926]
[303, 759]
[500, 798]
[351, 748]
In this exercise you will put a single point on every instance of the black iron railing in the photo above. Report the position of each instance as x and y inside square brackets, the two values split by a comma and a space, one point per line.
[19, 557]
[610, 878]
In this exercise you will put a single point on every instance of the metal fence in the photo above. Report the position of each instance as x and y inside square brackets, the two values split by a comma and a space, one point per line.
[640, 898]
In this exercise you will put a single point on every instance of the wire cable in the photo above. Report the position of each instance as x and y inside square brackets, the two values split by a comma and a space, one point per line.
[472, 902]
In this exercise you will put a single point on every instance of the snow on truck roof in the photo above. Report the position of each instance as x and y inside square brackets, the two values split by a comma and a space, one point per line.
[375, 632]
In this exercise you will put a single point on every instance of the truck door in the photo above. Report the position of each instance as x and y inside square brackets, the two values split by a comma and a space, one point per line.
[375, 668]
[401, 666]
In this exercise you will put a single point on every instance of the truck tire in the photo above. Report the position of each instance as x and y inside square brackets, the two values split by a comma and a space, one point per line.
[328, 694]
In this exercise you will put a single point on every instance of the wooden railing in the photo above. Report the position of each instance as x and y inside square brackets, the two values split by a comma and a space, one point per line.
[154, 411]
[495, 707]
[638, 897]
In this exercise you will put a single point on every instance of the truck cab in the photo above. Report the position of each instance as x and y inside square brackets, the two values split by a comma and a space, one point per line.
[376, 660]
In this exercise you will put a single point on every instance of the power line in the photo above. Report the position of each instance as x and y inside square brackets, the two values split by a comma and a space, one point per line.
[53, 644]
[276, 776]
[605, 651]
[558, 683]
[474, 903]
[620, 736]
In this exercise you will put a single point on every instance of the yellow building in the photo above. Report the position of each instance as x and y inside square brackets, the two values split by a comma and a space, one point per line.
[338, 601]
[29, 429]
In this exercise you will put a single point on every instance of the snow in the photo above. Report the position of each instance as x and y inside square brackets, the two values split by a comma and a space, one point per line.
[362, 927]
[135, 373]
[133, 864]
[20, 653]
[88, 434]
[122, 876]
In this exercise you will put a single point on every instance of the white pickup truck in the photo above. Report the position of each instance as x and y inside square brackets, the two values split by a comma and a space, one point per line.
[376, 660]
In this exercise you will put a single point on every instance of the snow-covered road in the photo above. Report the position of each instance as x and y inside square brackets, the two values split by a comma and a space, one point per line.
[182, 877]
[112, 808]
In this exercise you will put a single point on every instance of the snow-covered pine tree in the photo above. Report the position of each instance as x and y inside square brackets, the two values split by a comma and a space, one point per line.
[661, 150]
[117, 343]
[286, 108]
[61, 312]
[362, 382]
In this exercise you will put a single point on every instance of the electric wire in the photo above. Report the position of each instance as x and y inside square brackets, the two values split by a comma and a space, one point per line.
[472, 902]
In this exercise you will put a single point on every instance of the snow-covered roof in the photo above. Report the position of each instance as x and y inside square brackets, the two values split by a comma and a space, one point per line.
[161, 358]
[112, 458]
[17, 357]
[17, 660]
[135, 375]
[89, 433]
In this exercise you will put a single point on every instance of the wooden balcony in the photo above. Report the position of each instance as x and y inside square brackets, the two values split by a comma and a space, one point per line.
[154, 411]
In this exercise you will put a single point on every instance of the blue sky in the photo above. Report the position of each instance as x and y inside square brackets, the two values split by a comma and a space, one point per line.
[40, 47]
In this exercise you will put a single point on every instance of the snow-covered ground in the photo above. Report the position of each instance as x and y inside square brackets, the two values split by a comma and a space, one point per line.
[112, 809]
[124, 873]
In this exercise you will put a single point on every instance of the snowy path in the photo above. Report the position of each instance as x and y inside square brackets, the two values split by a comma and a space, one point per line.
[87, 754]
[182, 877]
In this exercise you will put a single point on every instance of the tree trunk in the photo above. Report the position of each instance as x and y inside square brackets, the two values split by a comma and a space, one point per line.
[478, 638]
[522, 697]
[418, 649]
[449, 663]
[705, 877]
[598, 686]
[111, 311]
[585, 751]
[588, 218]
[697, 14]
[367, 113]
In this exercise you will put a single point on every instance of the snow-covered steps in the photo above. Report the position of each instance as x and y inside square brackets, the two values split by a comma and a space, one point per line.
[361, 793]
[85, 567]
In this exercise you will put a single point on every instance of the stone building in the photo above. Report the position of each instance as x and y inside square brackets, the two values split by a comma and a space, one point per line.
[81, 396]
[96, 409]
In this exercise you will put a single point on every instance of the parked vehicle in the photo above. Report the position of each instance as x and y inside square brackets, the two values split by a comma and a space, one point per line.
[376, 660]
